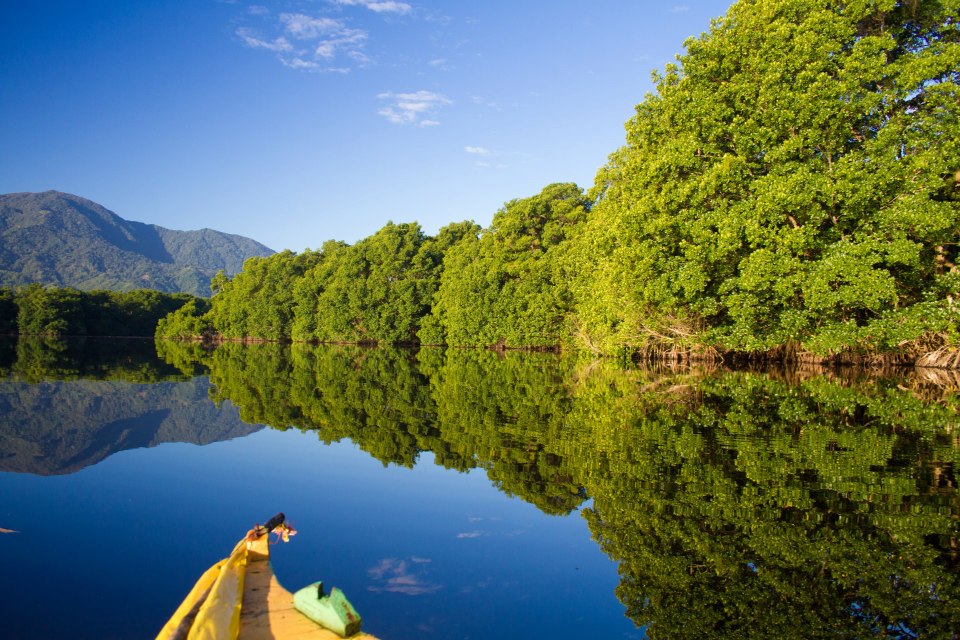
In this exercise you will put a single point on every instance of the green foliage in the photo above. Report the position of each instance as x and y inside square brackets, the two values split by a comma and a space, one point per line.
[792, 186]
[258, 301]
[377, 291]
[192, 320]
[509, 286]
[387, 289]
[472, 409]
[50, 312]
[793, 180]
[509, 412]
[189, 357]
[435, 251]
[735, 504]
[56, 313]
[134, 313]
[8, 312]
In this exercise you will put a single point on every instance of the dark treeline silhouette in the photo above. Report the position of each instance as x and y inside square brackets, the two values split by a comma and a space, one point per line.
[54, 312]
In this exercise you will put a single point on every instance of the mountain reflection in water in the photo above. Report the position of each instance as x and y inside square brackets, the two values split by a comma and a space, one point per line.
[66, 406]
[736, 504]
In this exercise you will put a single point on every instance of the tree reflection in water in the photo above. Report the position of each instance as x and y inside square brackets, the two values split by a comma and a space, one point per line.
[737, 504]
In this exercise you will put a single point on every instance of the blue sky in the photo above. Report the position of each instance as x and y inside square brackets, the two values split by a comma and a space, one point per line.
[298, 122]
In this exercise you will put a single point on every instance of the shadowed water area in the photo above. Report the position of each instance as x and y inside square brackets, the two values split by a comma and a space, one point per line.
[472, 494]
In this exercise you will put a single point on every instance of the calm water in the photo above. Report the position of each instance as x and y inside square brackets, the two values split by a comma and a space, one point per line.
[466, 494]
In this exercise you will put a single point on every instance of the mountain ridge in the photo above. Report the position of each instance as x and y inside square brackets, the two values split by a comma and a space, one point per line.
[61, 239]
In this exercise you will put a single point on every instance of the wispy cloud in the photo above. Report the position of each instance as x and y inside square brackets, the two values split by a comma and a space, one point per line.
[257, 10]
[419, 107]
[484, 153]
[377, 6]
[679, 8]
[308, 43]
[484, 102]
[300, 63]
[398, 576]
[304, 27]
[278, 45]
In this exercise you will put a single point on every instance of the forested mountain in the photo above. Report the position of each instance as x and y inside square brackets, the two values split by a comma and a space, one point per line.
[61, 239]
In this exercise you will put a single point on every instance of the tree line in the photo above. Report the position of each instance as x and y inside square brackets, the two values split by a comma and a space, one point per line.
[54, 312]
[790, 189]
[466, 286]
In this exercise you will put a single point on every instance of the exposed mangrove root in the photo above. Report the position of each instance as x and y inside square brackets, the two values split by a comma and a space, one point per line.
[943, 358]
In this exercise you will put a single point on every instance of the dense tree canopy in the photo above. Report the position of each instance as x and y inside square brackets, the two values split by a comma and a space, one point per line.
[56, 312]
[8, 312]
[374, 291]
[793, 181]
[791, 188]
[258, 301]
[509, 287]
[744, 506]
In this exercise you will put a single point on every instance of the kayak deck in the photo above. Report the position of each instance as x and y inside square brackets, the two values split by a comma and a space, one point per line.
[240, 597]
[268, 610]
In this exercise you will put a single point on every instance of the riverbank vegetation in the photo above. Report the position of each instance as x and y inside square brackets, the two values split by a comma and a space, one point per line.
[52, 312]
[789, 190]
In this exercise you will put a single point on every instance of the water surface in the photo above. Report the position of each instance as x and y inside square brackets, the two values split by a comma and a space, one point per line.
[469, 494]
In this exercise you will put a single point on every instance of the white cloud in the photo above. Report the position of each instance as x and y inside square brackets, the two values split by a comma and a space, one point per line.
[480, 151]
[347, 39]
[679, 8]
[377, 6]
[417, 108]
[360, 57]
[278, 45]
[309, 43]
[304, 27]
[300, 63]
[257, 10]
